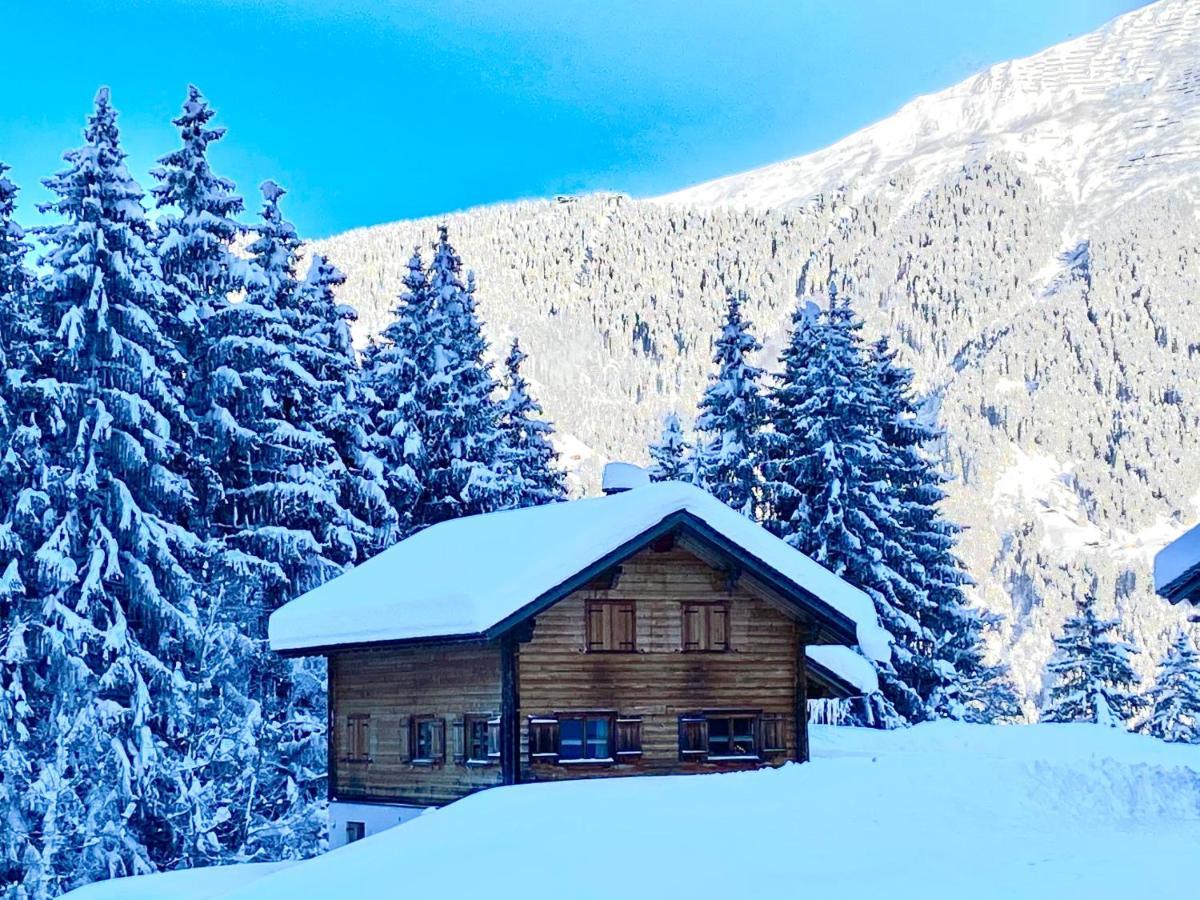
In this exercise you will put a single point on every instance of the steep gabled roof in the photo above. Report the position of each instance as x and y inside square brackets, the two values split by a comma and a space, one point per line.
[479, 576]
[1177, 568]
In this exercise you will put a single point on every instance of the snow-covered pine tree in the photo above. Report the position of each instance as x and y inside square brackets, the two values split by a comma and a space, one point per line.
[671, 455]
[1175, 697]
[16, 313]
[525, 436]
[394, 369]
[326, 349]
[827, 482]
[437, 416]
[116, 642]
[949, 670]
[1089, 677]
[732, 416]
[465, 473]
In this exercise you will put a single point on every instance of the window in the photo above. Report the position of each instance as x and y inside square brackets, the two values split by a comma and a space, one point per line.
[355, 831]
[611, 626]
[482, 739]
[705, 627]
[599, 737]
[721, 735]
[357, 739]
[428, 739]
[585, 738]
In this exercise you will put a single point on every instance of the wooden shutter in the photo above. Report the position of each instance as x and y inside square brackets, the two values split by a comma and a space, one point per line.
[718, 627]
[629, 736]
[439, 740]
[772, 735]
[691, 626]
[543, 739]
[693, 737]
[624, 627]
[595, 627]
[368, 738]
[458, 740]
[494, 737]
[406, 739]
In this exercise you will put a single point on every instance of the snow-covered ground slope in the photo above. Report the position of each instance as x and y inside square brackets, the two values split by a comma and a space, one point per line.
[1061, 342]
[1098, 122]
[937, 811]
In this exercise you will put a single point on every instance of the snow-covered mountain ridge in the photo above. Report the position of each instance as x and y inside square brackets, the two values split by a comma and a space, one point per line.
[1097, 121]
[1062, 345]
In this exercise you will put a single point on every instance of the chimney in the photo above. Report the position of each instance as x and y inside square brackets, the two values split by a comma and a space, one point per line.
[623, 476]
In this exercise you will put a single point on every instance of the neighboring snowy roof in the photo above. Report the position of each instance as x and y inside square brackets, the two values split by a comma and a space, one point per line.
[463, 577]
[1177, 568]
[847, 664]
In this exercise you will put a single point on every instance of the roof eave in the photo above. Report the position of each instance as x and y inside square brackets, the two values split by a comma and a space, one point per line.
[1184, 587]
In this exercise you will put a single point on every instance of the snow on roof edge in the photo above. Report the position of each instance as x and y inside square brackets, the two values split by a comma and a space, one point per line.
[1177, 558]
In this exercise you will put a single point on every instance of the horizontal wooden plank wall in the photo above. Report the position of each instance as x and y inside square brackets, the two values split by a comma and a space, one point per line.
[392, 684]
[659, 681]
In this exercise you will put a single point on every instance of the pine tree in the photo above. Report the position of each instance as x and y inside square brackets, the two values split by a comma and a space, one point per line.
[1089, 676]
[1175, 698]
[950, 672]
[16, 335]
[525, 436]
[732, 416]
[116, 643]
[827, 484]
[671, 456]
[437, 418]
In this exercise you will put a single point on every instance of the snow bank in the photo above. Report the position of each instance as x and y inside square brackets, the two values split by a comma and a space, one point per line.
[937, 811]
[191, 884]
[461, 577]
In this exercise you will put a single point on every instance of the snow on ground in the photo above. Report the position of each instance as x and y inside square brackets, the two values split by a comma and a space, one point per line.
[938, 811]
[189, 884]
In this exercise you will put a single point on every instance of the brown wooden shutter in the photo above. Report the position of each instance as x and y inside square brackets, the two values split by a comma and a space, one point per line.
[439, 740]
[595, 626]
[718, 627]
[624, 627]
[543, 739]
[458, 740]
[406, 739]
[368, 739]
[693, 736]
[629, 736]
[691, 626]
[772, 736]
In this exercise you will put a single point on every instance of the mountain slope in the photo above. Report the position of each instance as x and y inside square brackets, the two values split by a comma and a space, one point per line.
[1061, 344]
[1097, 121]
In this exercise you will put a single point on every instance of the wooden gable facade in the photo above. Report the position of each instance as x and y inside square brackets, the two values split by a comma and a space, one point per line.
[672, 655]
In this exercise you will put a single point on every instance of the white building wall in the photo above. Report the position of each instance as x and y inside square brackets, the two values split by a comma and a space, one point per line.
[375, 817]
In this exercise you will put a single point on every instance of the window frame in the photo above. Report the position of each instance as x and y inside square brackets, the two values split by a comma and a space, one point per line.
[707, 717]
[544, 729]
[355, 831]
[705, 642]
[589, 639]
[437, 740]
[491, 739]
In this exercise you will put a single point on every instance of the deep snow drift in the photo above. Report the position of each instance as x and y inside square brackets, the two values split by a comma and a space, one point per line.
[937, 811]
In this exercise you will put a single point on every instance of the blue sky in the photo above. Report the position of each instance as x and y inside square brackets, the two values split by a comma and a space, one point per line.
[381, 110]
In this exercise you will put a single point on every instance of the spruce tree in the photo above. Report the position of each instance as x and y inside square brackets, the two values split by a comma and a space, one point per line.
[116, 641]
[437, 419]
[828, 490]
[1089, 676]
[671, 456]
[733, 411]
[1175, 697]
[529, 455]
[16, 312]
[950, 672]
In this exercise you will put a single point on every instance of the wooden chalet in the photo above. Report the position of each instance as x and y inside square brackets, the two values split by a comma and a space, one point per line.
[652, 631]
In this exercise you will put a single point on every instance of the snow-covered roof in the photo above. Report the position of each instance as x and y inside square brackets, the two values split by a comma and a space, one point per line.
[847, 664]
[1177, 568]
[465, 577]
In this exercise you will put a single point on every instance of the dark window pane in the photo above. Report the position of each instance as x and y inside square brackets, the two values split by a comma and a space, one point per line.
[597, 739]
[570, 738]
